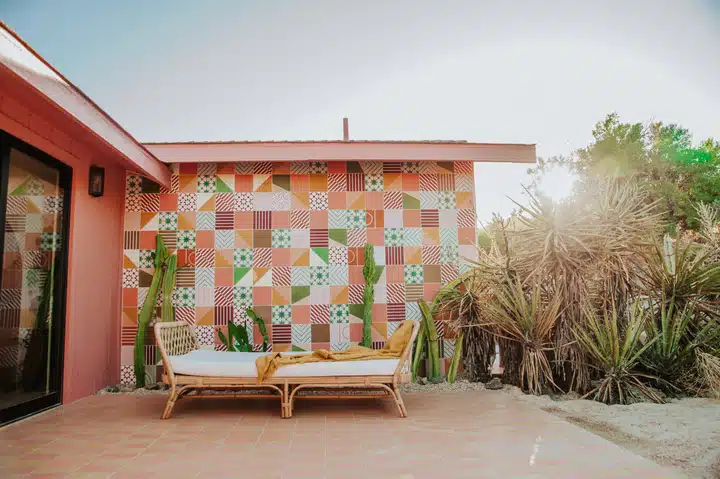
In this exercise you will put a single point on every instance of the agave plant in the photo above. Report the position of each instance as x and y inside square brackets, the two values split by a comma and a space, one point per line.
[615, 352]
[524, 322]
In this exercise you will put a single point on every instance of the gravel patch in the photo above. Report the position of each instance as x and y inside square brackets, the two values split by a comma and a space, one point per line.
[683, 433]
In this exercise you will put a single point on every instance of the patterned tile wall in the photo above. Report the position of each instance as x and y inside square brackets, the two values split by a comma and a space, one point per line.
[287, 239]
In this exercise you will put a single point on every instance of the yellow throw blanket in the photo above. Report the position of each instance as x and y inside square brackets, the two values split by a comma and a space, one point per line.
[267, 365]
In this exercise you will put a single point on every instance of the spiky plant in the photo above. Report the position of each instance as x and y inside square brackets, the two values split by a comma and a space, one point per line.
[430, 334]
[615, 352]
[524, 322]
[462, 301]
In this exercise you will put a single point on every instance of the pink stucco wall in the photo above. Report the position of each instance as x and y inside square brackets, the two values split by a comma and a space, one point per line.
[92, 358]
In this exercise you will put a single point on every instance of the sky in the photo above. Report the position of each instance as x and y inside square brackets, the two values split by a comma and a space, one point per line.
[485, 71]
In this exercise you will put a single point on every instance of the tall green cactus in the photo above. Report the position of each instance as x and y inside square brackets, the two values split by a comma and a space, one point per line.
[455, 361]
[372, 274]
[163, 279]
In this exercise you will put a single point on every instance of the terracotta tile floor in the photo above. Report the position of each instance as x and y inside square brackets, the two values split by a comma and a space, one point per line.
[463, 435]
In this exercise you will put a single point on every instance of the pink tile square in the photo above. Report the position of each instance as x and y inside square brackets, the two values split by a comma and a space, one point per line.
[319, 219]
[301, 314]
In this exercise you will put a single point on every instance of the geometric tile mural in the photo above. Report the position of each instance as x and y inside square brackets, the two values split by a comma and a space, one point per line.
[287, 239]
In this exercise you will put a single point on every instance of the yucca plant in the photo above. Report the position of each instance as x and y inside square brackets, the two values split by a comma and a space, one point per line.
[463, 301]
[680, 270]
[615, 353]
[163, 277]
[524, 322]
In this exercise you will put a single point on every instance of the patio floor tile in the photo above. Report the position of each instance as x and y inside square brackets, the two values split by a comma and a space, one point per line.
[454, 435]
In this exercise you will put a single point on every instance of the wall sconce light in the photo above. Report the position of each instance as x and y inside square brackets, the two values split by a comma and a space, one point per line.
[96, 184]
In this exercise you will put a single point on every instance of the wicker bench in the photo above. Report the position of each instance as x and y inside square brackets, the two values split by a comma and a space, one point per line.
[178, 338]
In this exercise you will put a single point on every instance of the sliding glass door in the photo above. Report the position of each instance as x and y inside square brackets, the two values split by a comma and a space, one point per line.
[34, 213]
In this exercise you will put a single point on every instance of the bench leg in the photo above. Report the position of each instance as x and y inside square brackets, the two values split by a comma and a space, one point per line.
[172, 398]
[399, 401]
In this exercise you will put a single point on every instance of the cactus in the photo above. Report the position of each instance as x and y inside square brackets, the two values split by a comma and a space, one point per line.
[455, 361]
[419, 347]
[163, 280]
[428, 324]
[372, 274]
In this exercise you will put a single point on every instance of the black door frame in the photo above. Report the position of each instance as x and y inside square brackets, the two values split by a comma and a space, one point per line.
[9, 142]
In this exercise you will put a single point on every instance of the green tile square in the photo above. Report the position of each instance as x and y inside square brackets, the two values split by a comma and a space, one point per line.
[299, 293]
[410, 202]
[281, 181]
[338, 236]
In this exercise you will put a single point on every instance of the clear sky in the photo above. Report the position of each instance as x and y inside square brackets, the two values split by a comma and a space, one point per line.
[493, 71]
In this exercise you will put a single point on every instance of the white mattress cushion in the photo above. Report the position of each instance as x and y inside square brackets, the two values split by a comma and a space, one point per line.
[224, 364]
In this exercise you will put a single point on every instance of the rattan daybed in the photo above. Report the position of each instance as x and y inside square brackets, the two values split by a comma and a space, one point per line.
[188, 368]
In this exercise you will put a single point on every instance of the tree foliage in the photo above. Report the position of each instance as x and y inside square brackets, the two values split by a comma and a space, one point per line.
[662, 157]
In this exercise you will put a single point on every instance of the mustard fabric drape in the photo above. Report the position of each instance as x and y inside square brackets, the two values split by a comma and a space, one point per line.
[267, 365]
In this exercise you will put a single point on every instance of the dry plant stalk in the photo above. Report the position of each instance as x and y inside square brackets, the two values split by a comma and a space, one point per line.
[708, 374]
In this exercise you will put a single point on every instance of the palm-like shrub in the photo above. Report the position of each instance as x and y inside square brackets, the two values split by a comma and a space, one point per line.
[524, 323]
[615, 352]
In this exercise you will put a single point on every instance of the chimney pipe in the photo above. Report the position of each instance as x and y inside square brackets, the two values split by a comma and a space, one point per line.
[346, 130]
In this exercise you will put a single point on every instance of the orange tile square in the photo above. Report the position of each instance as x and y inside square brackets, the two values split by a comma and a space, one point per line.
[430, 290]
[130, 297]
[280, 219]
[146, 221]
[355, 275]
[187, 183]
[379, 313]
[281, 295]
[244, 238]
[337, 200]
[376, 219]
[204, 239]
[225, 168]
[356, 200]
[356, 256]
[412, 255]
[394, 274]
[299, 257]
[431, 236]
[204, 316]
[168, 202]
[244, 183]
[262, 296]
[374, 200]
[281, 256]
[281, 168]
[300, 200]
[393, 181]
[467, 236]
[299, 183]
[336, 167]
[376, 236]
[356, 332]
[301, 314]
[147, 240]
[32, 241]
[338, 295]
[464, 199]
[185, 258]
[130, 316]
[262, 183]
[243, 220]
[318, 183]
[186, 220]
[319, 219]
[410, 182]
[411, 218]
[224, 277]
[224, 258]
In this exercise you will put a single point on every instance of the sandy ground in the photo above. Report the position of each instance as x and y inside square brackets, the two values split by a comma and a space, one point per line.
[684, 433]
